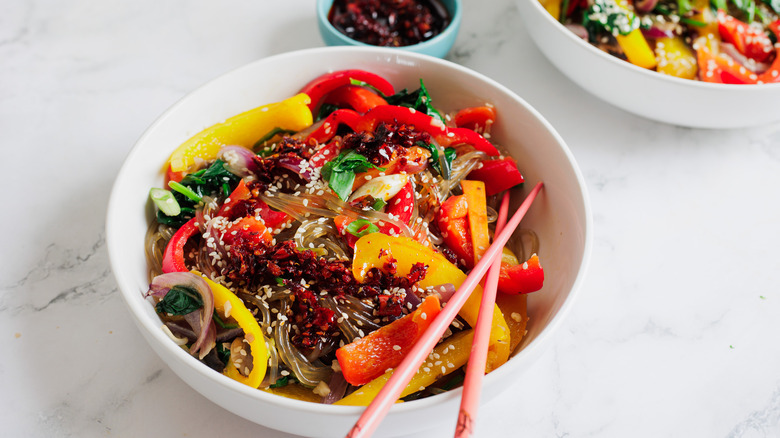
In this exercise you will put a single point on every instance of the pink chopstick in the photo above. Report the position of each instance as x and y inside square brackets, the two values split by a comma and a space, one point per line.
[469, 402]
[378, 408]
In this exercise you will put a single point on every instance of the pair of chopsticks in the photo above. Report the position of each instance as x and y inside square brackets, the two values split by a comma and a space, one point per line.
[378, 408]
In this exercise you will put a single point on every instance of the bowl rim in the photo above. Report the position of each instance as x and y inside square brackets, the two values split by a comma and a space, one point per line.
[124, 279]
[646, 73]
[323, 8]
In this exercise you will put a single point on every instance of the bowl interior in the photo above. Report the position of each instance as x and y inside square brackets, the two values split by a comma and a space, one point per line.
[560, 216]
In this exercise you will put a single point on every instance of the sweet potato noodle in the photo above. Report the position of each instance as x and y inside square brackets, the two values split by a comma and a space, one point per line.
[329, 241]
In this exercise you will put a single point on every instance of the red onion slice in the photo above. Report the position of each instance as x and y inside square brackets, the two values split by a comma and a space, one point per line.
[338, 387]
[579, 30]
[748, 63]
[445, 291]
[645, 5]
[296, 165]
[656, 32]
[238, 160]
[162, 284]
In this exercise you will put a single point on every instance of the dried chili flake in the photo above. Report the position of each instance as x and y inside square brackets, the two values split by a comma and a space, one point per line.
[392, 23]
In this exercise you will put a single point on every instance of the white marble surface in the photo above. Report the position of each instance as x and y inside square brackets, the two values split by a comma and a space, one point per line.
[675, 332]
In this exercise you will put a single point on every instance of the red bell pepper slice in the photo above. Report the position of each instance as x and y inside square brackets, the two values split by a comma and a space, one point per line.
[249, 231]
[170, 175]
[173, 256]
[498, 175]
[356, 97]
[369, 357]
[718, 69]
[327, 130]
[401, 206]
[322, 85]
[523, 278]
[271, 218]
[240, 193]
[325, 154]
[454, 226]
[398, 114]
[746, 39]
[342, 222]
[423, 122]
[772, 74]
[477, 118]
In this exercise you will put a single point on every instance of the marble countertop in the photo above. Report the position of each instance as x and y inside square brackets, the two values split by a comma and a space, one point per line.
[675, 332]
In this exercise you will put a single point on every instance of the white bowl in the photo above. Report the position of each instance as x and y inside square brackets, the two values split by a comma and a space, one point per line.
[644, 92]
[561, 216]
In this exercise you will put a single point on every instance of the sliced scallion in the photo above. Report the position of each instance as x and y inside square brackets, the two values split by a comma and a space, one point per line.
[165, 201]
[361, 227]
[379, 203]
[184, 190]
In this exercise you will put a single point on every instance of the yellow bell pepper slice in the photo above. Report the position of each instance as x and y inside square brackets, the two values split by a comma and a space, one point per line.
[244, 129]
[637, 49]
[228, 304]
[374, 250]
[295, 392]
[553, 7]
[709, 35]
[635, 45]
[446, 357]
[675, 58]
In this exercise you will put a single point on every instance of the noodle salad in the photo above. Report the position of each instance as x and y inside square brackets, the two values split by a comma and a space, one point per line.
[302, 247]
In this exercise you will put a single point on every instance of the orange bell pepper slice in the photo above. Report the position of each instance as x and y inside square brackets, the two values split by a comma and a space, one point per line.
[367, 358]
[477, 217]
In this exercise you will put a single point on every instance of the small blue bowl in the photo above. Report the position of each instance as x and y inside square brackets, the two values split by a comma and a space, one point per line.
[437, 46]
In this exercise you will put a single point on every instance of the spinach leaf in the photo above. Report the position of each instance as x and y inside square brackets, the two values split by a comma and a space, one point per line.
[220, 322]
[259, 145]
[449, 155]
[325, 110]
[607, 16]
[419, 99]
[340, 172]
[747, 7]
[284, 381]
[773, 4]
[180, 300]
[213, 181]
[683, 7]
[223, 353]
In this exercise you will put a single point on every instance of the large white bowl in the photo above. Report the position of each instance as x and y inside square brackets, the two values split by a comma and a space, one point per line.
[561, 217]
[644, 92]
